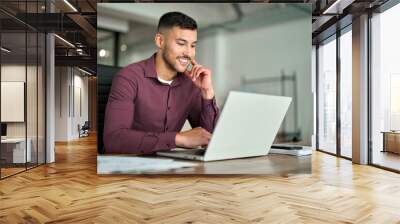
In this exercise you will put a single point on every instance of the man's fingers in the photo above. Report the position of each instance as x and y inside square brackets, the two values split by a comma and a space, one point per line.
[205, 142]
[196, 75]
[195, 69]
[201, 70]
[205, 131]
[207, 134]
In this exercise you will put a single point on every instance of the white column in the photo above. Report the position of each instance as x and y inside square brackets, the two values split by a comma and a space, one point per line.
[50, 99]
[360, 90]
[50, 92]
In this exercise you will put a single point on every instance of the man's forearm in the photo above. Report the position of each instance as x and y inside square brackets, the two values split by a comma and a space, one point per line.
[137, 142]
[209, 114]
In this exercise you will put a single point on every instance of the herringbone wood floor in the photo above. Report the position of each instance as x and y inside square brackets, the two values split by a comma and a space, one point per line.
[69, 191]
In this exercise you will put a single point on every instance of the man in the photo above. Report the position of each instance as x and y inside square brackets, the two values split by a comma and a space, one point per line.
[150, 100]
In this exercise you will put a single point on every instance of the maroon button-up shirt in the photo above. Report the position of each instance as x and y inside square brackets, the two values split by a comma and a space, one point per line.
[144, 115]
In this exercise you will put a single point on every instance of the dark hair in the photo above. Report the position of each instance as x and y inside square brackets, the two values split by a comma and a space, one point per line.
[171, 19]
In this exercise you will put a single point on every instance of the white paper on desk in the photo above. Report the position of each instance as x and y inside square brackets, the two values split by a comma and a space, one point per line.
[133, 164]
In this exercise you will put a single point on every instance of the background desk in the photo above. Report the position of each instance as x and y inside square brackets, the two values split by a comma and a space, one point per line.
[391, 141]
[13, 150]
[272, 164]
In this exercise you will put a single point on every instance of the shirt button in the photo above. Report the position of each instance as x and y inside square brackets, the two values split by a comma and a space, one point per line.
[168, 145]
[169, 108]
[166, 128]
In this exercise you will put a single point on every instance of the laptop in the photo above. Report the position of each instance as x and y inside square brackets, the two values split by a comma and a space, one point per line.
[246, 127]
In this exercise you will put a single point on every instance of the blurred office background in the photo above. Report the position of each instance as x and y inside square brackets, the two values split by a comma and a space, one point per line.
[47, 75]
[254, 47]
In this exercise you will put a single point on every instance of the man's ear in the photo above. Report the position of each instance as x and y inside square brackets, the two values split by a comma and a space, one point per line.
[159, 40]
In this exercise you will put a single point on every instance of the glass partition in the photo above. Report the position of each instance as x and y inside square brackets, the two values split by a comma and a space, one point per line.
[13, 95]
[22, 89]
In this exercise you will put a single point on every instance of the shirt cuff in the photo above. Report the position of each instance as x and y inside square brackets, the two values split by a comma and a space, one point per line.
[209, 104]
[166, 141]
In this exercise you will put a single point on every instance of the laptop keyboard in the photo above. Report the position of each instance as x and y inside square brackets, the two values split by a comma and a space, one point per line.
[198, 152]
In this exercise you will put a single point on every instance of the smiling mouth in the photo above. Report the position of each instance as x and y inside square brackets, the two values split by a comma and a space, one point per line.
[184, 61]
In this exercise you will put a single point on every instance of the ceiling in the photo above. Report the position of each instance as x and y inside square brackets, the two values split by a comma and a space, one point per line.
[73, 20]
[204, 14]
[138, 22]
[325, 13]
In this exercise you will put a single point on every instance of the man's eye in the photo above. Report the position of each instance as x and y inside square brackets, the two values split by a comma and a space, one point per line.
[181, 44]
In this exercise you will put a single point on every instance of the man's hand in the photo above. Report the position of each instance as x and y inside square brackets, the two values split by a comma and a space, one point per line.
[192, 138]
[201, 77]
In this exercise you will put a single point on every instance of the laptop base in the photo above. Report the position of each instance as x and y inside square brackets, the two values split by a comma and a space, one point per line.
[180, 153]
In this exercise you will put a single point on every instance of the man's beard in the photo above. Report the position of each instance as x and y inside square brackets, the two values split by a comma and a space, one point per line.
[169, 64]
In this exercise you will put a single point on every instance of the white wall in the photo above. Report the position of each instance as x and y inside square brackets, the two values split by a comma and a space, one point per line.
[80, 83]
[139, 53]
[15, 72]
[61, 103]
[264, 52]
[33, 126]
[68, 81]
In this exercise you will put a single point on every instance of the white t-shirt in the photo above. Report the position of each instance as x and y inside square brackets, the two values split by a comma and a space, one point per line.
[164, 81]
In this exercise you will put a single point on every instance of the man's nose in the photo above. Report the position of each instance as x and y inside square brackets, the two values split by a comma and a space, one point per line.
[189, 53]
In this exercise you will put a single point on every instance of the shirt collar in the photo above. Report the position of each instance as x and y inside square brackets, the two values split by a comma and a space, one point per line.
[150, 71]
[150, 67]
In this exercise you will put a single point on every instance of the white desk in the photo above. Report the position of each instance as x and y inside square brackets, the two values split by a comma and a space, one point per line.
[16, 148]
[272, 164]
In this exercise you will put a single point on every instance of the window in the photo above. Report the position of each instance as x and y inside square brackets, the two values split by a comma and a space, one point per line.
[327, 96]
[346, 93]
[385, 88]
